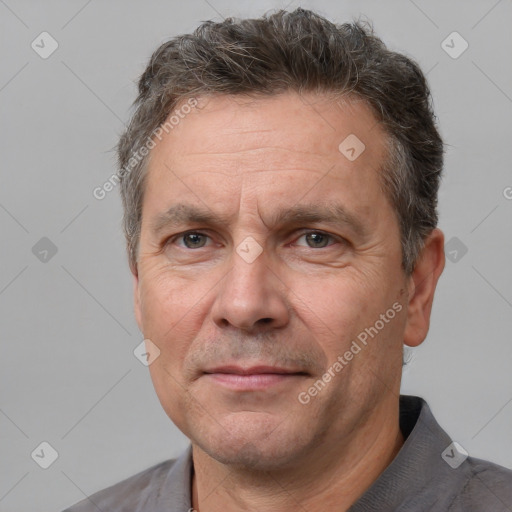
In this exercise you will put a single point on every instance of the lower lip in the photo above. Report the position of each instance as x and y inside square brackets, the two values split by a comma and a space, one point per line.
[254, 381]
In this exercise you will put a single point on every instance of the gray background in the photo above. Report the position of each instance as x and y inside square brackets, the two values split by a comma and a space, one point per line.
[68, 373]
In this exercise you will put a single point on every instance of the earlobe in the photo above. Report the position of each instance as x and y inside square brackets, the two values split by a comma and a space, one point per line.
[423, 282]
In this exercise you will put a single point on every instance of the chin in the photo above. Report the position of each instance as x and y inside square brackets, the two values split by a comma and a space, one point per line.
[251, 456]
[253, 441]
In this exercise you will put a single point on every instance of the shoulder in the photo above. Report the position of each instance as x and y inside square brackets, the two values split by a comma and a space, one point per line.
[130, 495]
[487, 486]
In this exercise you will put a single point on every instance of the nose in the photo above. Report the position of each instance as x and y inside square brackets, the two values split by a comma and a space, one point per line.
[252, 297]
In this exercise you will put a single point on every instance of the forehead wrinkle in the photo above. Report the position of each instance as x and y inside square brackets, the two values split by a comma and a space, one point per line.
[309, 213]
[183, 213]
[241, 173]
[258, 149]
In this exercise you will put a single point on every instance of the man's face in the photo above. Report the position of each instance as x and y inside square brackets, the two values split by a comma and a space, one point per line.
[243, 335]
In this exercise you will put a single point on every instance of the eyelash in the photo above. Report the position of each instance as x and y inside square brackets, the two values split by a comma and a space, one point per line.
[303, 233]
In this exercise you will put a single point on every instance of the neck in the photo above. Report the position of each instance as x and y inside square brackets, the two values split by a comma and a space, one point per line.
[334, 476]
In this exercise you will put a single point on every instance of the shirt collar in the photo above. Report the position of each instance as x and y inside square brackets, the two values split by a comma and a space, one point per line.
[418, 461]
[175, 493]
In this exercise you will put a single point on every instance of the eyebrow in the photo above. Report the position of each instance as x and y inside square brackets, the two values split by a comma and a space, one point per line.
[328, 213]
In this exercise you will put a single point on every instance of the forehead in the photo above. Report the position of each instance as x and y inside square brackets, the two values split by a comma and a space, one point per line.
[305, 123]
[280, 145]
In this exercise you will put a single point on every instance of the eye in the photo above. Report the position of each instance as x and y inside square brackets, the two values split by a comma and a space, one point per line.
[316, 239]
[192, 240]
[312, 239]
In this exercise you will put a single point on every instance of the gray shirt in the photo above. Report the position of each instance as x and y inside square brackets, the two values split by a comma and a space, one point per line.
[428, 474]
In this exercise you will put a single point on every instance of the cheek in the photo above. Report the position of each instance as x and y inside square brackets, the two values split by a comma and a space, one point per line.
[171, 309]
[165, 297]
[341, 308]
[336, 300]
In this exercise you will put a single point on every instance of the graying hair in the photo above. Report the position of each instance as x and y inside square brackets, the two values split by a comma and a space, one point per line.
[303, 52]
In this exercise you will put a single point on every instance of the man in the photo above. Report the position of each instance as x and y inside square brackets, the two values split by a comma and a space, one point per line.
[279, 180]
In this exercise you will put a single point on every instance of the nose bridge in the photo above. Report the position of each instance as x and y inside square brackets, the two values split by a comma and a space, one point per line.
[249, 266]
[250, 295]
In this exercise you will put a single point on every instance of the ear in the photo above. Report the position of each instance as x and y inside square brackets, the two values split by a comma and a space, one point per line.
[136, 298]
[422, 285]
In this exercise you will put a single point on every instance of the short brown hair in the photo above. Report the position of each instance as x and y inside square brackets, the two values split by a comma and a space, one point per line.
[304, 52]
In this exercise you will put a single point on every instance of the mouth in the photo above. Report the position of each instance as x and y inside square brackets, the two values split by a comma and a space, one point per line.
[252, 378]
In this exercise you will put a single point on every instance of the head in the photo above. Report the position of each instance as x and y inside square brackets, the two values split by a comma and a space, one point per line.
[281, 219]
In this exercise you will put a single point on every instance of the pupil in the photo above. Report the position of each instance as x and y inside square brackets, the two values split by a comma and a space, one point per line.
[317, 239]
[193, 239]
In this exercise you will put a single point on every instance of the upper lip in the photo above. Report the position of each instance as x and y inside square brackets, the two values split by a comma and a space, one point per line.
[252, 370]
